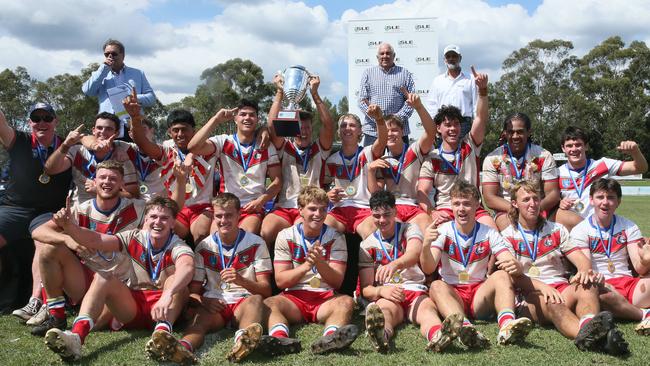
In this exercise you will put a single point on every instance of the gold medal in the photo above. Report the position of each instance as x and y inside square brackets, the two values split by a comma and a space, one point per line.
[225, 286]
[579, 206]
[143, 189]
[44, 178]
[189, 187]
[396, 278]
[243, 180]
[314, 282]
[350, 190]
[463, 276]
[611, 267]
[304, 181]
[533, 271]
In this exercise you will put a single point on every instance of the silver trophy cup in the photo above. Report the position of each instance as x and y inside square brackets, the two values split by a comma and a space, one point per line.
[296, 81]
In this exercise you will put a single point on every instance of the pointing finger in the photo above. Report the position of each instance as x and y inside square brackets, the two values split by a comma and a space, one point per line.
[134, 94]
[404, 91]
[473, 71]
[78, 129]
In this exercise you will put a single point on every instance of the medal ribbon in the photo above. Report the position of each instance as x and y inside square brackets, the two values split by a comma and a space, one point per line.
[398, 176]
[42, 150]
[531, 250]
[584, 179]
[465, 259]
[457, 162]
[155, 272]
[607, 248]
[245, 163]
[518, 173]
[304, 156]
[395, 241]
[354, 165]
[217, 240]
[93, 159]
[110, 230]
[304, 241]
[143, 170]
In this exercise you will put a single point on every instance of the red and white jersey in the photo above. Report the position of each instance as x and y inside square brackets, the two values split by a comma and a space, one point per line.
[232, 171]
[126, 215]
[289, 250]
[596, 169]
[372, 255]
[537, 166]
[201, 177]
[553, 244]
[150, 169]
[442, 172]
[335, 171]
[250, 259]
[406, 190]
[135, 244]
[293, 170]
[487, 241]
[625, 233]
[84, 164]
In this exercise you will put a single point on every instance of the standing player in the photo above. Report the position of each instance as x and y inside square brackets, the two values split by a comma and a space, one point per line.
[579, 172]
[302, 160]
[461, 250]
[540, 246]
[348, 172]
[243, 164]
[516, 160]
[391, 278]
[163, 266]
[310, 260]
[614, 242]
[400, 167]
[456, 158]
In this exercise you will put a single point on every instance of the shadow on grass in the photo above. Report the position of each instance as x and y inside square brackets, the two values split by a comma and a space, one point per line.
[114, 345]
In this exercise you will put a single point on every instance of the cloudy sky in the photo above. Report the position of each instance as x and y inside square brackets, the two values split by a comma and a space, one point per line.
[173, 41]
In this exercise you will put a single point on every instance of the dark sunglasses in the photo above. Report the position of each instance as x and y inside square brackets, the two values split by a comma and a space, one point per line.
[114, 54]
[47, 118]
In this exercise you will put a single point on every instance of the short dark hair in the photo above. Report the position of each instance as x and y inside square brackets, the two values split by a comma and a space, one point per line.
[180, 116]
[243, 103]
[226, 199]
[507, 123]
[114, 42]
[575, 133]
[382, 199]
[448, 112]
[164, 202]
[110, 116]
[305, 115]
[396, 120]
[464, 189]
[606, 184]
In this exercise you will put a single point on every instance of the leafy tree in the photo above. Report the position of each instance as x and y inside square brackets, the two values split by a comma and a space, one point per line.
[14, 95]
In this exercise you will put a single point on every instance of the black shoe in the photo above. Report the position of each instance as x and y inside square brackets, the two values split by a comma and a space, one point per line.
[339, 339]
[615, 344]
[275, 346]
[596, 329]
[50, 323]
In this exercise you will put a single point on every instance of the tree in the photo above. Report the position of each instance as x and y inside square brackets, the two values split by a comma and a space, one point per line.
[14, 95]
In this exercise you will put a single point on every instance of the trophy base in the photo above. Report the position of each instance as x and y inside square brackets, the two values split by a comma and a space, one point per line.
[287, 124]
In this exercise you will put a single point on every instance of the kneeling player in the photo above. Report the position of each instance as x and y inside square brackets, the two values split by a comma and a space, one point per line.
[462, 247]
[540, 246]
[310, 261]
[389, 258]
[615, 241]
[163, 266]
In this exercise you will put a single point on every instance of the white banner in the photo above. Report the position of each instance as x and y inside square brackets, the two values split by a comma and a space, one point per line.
[416, 48]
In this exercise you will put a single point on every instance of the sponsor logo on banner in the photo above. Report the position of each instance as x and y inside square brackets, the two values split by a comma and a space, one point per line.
[406, 43]
[374, 44]
[423, 28]
[362, 29]
[360, 61]
[422, 91]
[392, 28]
[398, 60]
[423, 60]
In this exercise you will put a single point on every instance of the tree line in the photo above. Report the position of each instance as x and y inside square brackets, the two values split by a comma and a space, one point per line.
[606, 92]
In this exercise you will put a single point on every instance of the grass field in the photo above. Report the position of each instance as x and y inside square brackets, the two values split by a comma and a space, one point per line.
[544, 345]
[636, 183]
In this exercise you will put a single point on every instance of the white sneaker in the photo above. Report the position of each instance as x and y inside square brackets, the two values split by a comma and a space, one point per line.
[64, 343]
[28, 310]
[40, 317]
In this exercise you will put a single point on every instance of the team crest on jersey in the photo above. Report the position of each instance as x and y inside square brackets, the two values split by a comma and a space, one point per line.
[296, 252]
[522, 247]
[258, 155]
[548, 242]
[92, 225]
[213, 260]
[621, 239]
[339, 171]
[565, 182]
[378, 256]
[244, 258]
[479, 250]
[143, 257]
[452, 249]
[34, 153]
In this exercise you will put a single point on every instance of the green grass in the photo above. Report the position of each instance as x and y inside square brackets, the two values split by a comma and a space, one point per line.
[635, 183]
[544, 345]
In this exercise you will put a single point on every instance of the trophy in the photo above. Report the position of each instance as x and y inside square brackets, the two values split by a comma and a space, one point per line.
[296, 80]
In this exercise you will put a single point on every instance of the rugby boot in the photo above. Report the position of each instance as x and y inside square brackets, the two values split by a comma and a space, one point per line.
[64, 343]
[515, 331]
[50, 323]
[446, 334]
[247, 342]
[472, 338]
[337, 340]
[276, 346]
[592, 332]
[375, 328]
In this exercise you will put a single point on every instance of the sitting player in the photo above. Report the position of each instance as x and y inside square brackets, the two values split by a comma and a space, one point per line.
[310, 260]
[614, 242]
[461, 250]
[163, 266]
[236, 268]
[391, 278]
[540, 246]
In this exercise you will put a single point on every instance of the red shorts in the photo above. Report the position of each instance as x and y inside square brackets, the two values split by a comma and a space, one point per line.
[560, 286]
[244, 215]
[308, 302]
[625, 286]
[228, 313]
[480, 212]
[350, 216]
[290, 215]
[466, 294]
[188, 214]
[145, 301]
[410, 297]
[407, 212]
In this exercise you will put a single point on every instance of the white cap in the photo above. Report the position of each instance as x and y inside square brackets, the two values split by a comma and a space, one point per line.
[451, 48]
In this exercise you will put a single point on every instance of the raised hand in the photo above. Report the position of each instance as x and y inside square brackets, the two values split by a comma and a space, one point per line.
[567, 203]
[74, 136]
[336, 194]
[63, 217]
[278, 81]
[225, 114]
[481, 80]
[131, 104]
[374, 111]
[440, 216]
[412, 99]
[314, 83]
[379, 164]
[103, 146]
[628, 147]
[431, 232]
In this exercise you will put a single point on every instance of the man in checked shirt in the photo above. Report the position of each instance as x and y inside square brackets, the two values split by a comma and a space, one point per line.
[381, 85]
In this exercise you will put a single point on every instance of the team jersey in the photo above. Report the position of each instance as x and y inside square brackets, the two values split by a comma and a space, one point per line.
[126, 215]
[406, 189]
[148, 172]
[299, 168]
[249, 258]
[440, 167]
[553, 244]
[595, 169]
[289, 250]
[201, 179]
[487, 241]
[246, 184]
[355, 184]
[151, 272]
[84, 164]
[537, 165]
[372, 255]
[625, 233]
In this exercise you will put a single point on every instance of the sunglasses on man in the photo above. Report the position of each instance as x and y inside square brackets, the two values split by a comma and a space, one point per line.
[114, 54]
[46, 118]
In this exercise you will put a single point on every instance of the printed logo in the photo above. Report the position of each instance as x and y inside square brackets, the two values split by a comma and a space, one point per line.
[362, 29]
[392, 28]
[362, 61]
[423, 60]
[406, 43]
[373, 44]
[452, 249]
[423, 28]
[548, 242]
[422, 91]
